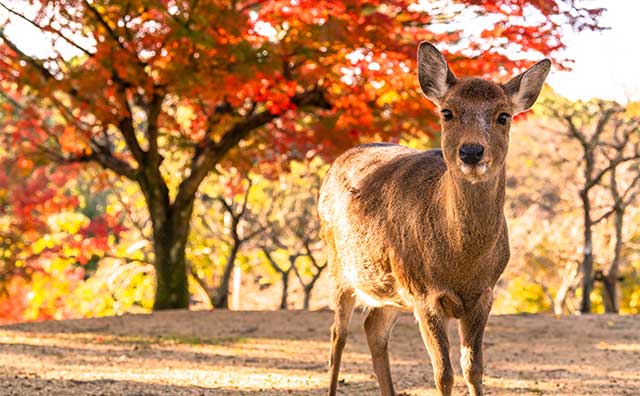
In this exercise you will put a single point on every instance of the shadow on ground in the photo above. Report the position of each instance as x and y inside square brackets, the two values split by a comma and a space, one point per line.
[285, 353]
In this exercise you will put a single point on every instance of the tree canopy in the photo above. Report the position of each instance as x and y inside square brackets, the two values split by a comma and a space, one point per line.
[162, 92]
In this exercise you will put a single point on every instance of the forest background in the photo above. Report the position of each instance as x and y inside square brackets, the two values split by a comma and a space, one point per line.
[161, 155]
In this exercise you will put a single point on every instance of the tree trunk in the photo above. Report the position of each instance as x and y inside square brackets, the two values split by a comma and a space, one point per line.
[285, 290]
[610, 298]
[587, 260]
[307, 297]
[221, 299]
[169, 243]
[610, 281]
[170, 232]
[309, 288]
[235, 293]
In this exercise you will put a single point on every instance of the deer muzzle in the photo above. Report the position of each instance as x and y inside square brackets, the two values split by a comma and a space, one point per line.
[471, 154]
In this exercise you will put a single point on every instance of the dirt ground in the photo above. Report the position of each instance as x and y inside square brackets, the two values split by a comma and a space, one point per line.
[285, 353]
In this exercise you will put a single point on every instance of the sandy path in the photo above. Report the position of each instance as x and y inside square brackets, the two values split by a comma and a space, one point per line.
[285, 353]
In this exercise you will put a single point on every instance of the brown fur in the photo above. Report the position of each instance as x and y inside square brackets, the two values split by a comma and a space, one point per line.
[410, 230]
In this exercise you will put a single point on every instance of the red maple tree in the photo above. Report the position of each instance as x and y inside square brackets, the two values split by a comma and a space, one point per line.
[129, 83]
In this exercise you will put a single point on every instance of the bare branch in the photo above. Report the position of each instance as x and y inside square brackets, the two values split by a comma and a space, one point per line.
[202, 283]
[272, 262]
[575, 132]
[245, 199]
[612, 165]
[604, 216]
[299, 276]
[228, 207]
[602, 122]
[254, 233]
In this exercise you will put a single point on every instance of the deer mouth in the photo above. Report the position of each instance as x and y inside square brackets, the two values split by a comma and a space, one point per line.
[476, 172]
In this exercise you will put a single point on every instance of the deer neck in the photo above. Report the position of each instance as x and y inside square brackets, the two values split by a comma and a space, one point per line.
[473, 212]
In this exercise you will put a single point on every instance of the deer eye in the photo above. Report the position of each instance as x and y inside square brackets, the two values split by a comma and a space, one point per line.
[447, 115]
[503, 118]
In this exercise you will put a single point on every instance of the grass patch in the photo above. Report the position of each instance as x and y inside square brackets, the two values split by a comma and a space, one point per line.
[195, 340]
[163, 339]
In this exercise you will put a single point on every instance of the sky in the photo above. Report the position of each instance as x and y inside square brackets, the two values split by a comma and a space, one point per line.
[607, 63]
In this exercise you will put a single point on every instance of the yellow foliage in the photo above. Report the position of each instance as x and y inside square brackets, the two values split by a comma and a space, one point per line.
[387, 98]
[46, 242]
[184, 115]
[68, 222]
[521, 296]
[634, 303]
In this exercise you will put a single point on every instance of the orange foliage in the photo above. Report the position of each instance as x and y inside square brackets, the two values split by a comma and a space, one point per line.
[141, 81]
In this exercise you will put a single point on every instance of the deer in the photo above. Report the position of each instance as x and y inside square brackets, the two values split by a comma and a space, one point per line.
[424, 231]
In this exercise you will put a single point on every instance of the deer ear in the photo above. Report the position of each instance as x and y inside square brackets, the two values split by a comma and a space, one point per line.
[523, 90]
[433, 73]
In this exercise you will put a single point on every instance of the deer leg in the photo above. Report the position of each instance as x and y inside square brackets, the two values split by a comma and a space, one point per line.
[471, 328]
[345, 302]
[433, 328]
[378, 326]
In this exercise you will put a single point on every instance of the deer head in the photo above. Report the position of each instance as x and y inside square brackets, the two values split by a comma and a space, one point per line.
[476, 113]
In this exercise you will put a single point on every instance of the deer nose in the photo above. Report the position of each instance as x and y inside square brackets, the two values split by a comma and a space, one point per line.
[471, 153]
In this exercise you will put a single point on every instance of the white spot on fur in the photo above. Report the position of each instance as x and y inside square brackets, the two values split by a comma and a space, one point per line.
[481, 169]
[466, 169]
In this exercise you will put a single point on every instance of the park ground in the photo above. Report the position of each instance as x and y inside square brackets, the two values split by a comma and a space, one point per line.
[285, 353]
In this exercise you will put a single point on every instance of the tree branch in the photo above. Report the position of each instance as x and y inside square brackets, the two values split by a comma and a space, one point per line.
[575, 132]
[604, 215]
[108, 28]
[312, 258]
[102, 156]
[272, 262]
[108, 161]
[204, 160]
[611, 166]
[245, 199]
[46, 74]
[153, 112]
[202, 283]
[126, 128]
[600, 126]
[47, 29]
[227, 206]
[254, 233]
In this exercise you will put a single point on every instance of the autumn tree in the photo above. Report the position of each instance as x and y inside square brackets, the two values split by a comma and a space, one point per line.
[162, 92]
[608, 142]
[291, 242]
[283, 268]
[302, 227]
[53, 226]
[237, 228]
[623, 187]
[309, 274]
